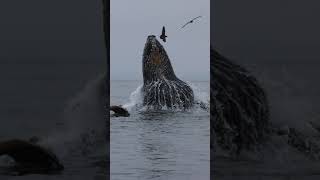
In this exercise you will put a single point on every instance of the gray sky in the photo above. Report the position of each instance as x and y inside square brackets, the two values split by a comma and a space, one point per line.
[188, 48]
[270, 31]
[49, 50]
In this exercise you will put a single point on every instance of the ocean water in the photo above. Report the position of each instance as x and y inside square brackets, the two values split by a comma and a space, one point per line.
[158, 145]
[294, 101]
[60, 107]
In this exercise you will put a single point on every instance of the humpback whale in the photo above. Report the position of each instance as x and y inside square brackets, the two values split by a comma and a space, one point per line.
[161, 87]
[239, 106]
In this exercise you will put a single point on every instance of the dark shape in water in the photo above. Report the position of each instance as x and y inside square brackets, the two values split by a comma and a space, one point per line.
[119, 111]
[239, 106]
[30, 158]
[163, 34]
[161, 87]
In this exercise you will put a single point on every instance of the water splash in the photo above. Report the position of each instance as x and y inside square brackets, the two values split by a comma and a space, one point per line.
[136, 100]
[82, 120]
[201, 98]
[135, 104]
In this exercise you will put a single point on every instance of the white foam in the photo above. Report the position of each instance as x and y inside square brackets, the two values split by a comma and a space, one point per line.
[198, 94]
[136, 99]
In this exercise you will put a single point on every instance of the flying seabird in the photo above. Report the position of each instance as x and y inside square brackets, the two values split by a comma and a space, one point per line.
[189, 22]
[163, 35]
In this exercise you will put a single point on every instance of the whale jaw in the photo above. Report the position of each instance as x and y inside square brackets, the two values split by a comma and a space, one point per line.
[155, 61]
[167, 94]
[161, 88]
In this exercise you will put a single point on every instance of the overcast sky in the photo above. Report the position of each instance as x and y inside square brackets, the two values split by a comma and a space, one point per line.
[188, 48]
[269, 31]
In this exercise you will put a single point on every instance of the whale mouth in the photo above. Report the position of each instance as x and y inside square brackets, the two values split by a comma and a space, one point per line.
[161, 87]
[152, 46]
[156, 63]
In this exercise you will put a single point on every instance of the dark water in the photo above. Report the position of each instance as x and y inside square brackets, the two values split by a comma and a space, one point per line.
[294, 100]
[158, 145]
[39, 100]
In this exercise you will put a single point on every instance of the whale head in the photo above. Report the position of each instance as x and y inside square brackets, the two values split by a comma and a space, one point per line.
[155, 62]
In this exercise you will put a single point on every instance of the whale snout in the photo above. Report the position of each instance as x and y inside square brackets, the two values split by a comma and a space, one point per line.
[151, 37]
[152, 45]
[152, 41]
[155, 61]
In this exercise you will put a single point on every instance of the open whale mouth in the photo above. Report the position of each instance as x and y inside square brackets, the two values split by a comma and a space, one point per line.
[161, 87]
[153, 50]
[156, 63]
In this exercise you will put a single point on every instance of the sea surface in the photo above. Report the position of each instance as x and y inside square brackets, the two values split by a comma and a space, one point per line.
[294, 100]
[159, 145]
[53, 102]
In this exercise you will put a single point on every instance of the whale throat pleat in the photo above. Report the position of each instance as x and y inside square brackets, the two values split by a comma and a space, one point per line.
[168, 94]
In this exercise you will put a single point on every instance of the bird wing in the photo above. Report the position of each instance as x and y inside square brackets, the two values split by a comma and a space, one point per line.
[196, 18]
[163, 30]
[191, 21]
[185, 24]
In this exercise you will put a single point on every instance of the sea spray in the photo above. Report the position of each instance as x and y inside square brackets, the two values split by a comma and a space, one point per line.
[135, 103]
[201, 98]
[86, 111]
[84, 120]
[135, 100]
